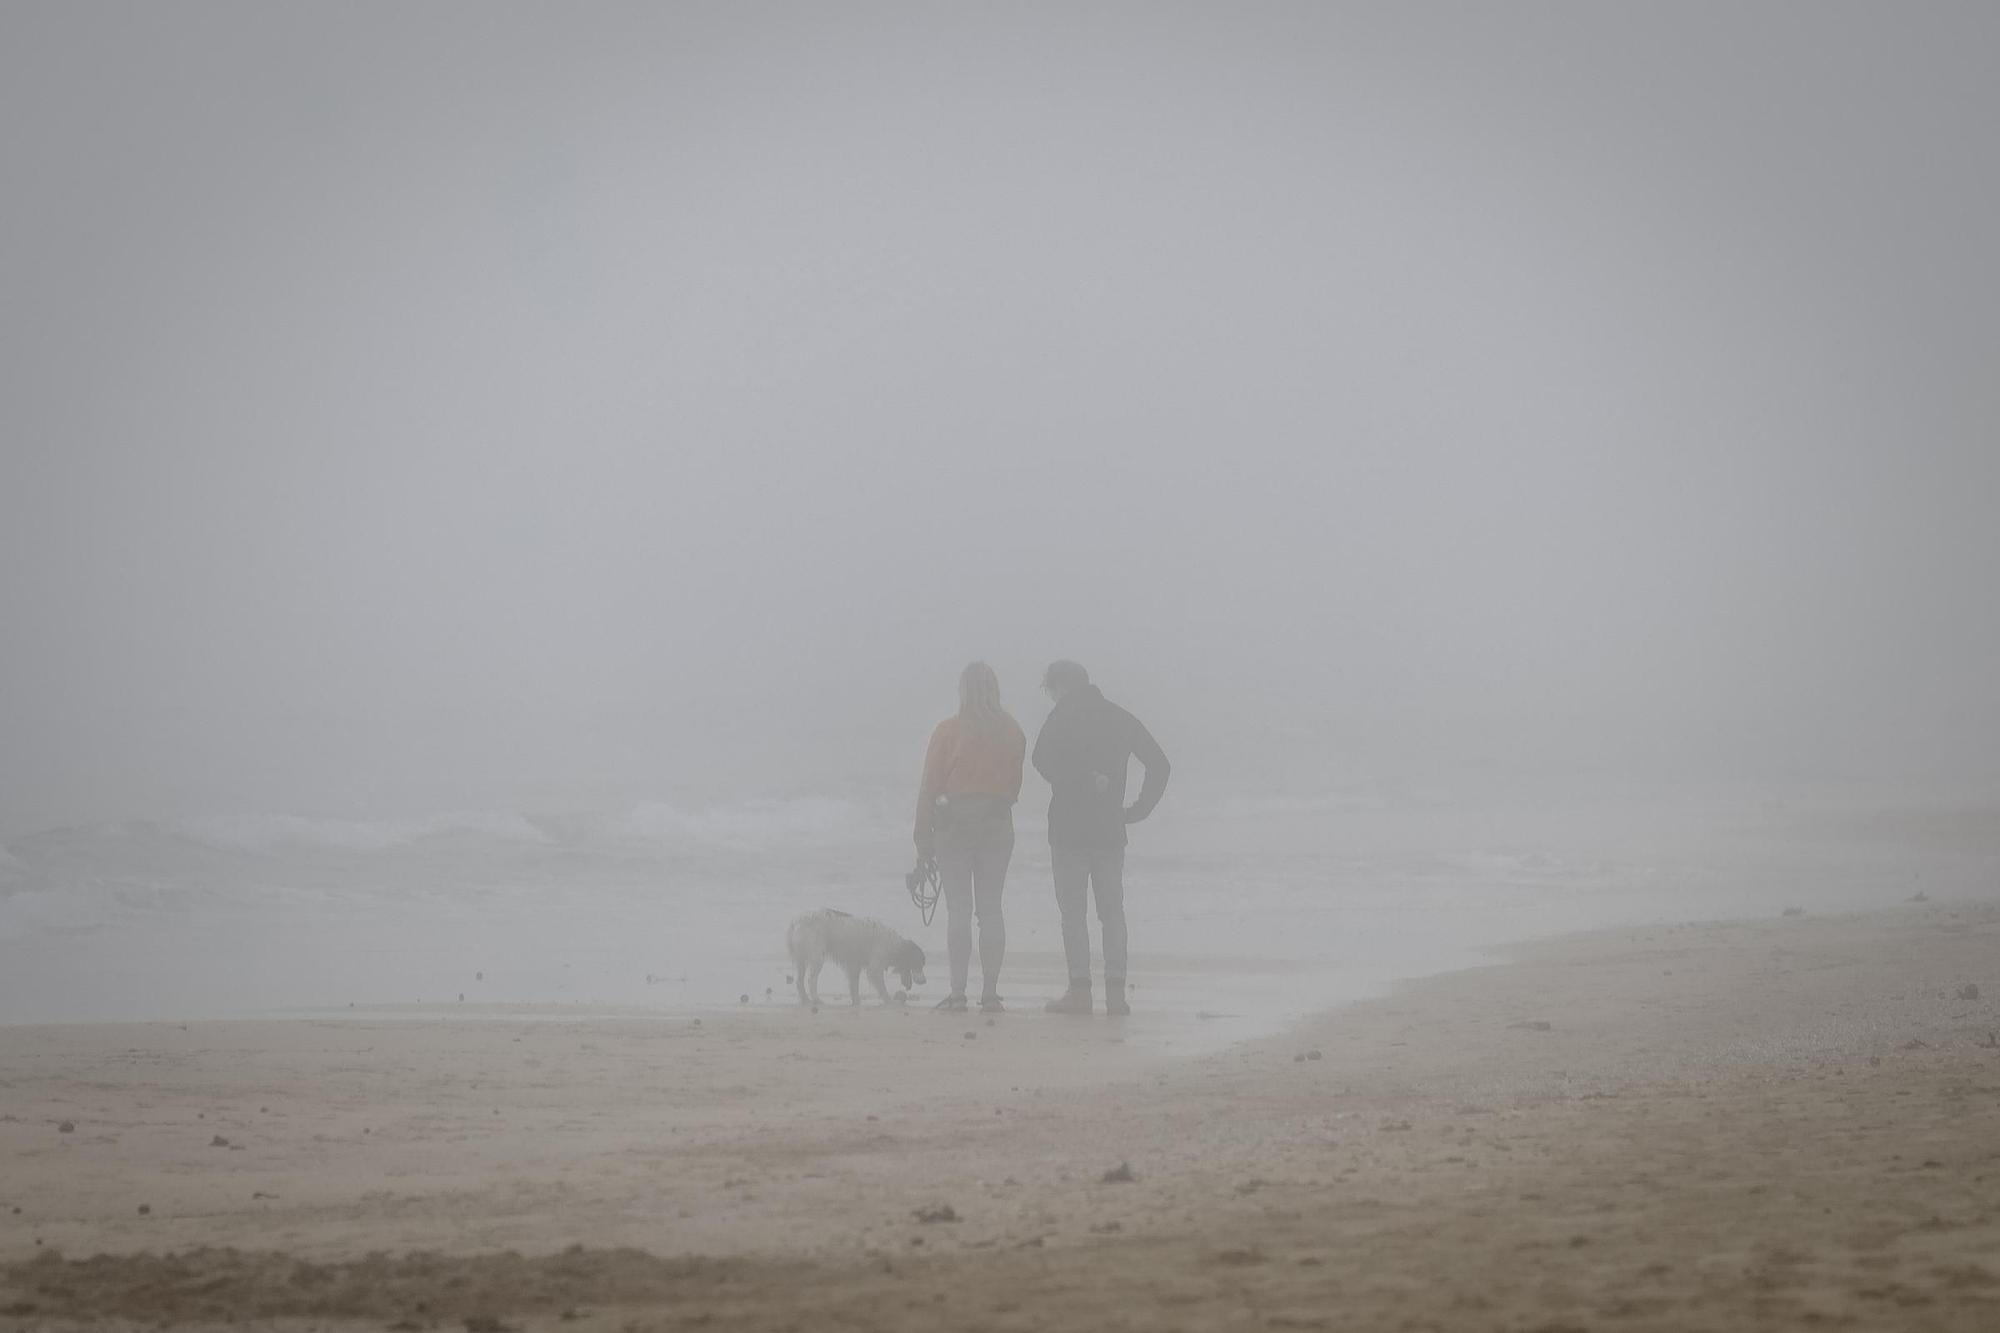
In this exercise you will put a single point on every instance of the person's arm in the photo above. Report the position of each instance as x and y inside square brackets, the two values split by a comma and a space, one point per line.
[1018, 741]
[1148, 752]
[936, 758]
[1044, 758]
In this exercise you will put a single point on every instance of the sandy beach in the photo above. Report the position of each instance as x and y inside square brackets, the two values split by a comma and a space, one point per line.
[1784, 1122]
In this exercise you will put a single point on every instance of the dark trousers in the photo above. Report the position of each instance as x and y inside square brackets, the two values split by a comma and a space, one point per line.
[972, 854]
[1081, 872]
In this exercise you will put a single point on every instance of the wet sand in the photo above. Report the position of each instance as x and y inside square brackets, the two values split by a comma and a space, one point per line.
[1791, 1122]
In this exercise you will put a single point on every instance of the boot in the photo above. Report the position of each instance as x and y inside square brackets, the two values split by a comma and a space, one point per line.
[1114, 997]
[1075, 1000]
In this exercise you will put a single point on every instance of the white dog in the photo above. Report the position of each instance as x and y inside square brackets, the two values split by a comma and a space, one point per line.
[858, 945]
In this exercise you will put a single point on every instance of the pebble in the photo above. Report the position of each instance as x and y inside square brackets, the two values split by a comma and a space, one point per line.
[66, 1127]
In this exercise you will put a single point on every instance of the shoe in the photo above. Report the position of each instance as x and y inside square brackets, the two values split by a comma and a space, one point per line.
[990, 1004]
[1075, 1000]
[1114, 1002]
[952, 1004]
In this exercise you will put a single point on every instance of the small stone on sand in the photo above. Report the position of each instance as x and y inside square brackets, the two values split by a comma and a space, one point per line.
[1120, 1174]
[66, 1127]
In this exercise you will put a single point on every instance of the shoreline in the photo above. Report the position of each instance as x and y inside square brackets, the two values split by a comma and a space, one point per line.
[1619, 1077]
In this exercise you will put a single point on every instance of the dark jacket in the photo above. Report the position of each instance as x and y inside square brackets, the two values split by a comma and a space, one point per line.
[1087, 737]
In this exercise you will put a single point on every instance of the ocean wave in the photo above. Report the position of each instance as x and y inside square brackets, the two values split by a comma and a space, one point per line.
[260, 833]
[808, 819]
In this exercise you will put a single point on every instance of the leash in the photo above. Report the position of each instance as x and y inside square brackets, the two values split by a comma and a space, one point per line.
[923, 884]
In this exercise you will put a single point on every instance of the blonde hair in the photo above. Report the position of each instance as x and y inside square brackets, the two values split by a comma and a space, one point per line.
[979, 708]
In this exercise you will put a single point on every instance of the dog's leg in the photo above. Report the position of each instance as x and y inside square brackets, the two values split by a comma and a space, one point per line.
[854, 986]
[799, 973]
[875, 976]
[818, 963]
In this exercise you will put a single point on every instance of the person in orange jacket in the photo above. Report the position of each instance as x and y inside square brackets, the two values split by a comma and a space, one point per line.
[965, 819]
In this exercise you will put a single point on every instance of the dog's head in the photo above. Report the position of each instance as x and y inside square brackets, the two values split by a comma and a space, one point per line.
[908, 963]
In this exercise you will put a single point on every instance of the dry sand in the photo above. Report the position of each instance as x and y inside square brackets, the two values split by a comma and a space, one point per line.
[1783, 1123]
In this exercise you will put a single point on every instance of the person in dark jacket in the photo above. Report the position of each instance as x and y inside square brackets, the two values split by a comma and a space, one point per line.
[1084, 750]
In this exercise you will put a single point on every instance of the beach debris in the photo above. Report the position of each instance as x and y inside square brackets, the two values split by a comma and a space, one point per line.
[938, 1212]
[1535, 1025]
[479, 976]
[1314, 1054]
[767, 992]
[485, 1323]
[1915, 1044]
[265, 1109]
[260, 1194]
[1918, 897]
[1120, 1174]
[1874, 1062]
[461, 997]
[1394, 1126]
[1793, 911]
[697, 1022]
[1299, 1059]
[218, 1142]
[1968, 991]
[66, 1127]
[570, 1315]
[145, 1210]
[1240, 1258]
[970, 1036]
[1107, 1228]
[744, 998]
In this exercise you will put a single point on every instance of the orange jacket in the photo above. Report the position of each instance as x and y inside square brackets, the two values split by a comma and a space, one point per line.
[962, 763]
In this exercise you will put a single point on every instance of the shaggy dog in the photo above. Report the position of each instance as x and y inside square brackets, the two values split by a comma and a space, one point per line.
[858, 945]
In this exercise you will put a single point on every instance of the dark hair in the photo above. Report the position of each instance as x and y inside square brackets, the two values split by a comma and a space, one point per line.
[1063, 676]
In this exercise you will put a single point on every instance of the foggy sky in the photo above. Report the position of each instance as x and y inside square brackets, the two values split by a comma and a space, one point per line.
[430, 406]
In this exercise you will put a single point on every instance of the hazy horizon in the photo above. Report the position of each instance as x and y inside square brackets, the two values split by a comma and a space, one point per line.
[432, 407]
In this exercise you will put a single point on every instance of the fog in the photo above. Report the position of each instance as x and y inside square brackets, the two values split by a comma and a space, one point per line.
[416, 408]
